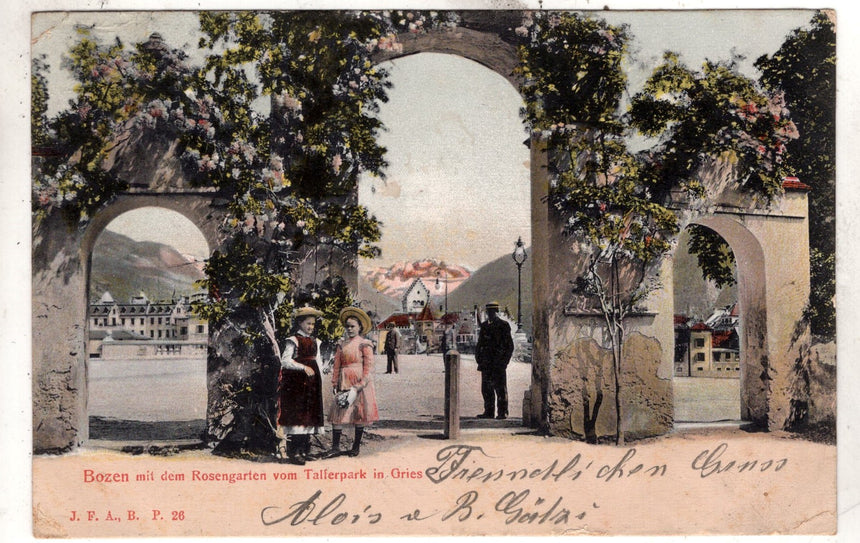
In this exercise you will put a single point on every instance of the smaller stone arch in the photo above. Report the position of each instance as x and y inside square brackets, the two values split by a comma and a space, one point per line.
[752, 305]
[197, 207]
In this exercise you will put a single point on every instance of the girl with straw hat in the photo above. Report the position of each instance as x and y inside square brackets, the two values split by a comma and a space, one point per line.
[300, 403]
[355, 397]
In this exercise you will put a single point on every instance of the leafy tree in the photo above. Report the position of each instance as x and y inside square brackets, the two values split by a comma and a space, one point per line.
[804, 69]
[573, 82]
[703, 117]
[715, 257]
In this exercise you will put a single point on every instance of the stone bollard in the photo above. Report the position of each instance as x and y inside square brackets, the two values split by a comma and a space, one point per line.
[452, 394]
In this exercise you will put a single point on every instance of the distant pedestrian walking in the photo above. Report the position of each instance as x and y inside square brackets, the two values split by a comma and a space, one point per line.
[493, 353]
[392, 344]
[352, 380]
[300, 404]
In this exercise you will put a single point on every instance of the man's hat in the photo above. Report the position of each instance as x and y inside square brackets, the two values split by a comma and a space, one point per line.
[359, 314]
[492, 305]
[307, 311]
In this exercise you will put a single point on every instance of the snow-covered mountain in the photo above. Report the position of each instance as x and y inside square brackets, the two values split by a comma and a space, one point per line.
[395, 279]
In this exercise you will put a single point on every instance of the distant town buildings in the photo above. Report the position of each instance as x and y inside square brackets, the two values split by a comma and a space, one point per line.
[710, 348]
[142, 328]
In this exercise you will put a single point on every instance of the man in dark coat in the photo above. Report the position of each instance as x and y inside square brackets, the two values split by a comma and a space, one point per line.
[493, 352]
[392, 344]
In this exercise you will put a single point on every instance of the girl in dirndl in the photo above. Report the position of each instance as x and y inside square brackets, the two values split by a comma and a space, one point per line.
[352, 380]
[300, 403]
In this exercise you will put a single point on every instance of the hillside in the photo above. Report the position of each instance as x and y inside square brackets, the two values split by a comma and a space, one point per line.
[694, 296]
[125, 267]
[495, 281]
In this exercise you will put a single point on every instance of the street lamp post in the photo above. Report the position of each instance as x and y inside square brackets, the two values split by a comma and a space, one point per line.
[446, 287]
[519, 255]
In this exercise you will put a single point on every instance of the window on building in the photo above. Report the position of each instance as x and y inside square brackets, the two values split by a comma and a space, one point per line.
[122, 321]
[698, 368]
[700, 342]
[141, 320]
[152, 333]
[159, 334]
[113, 321]
[151, 320]
[199, 328]
[159, 320]
[700, 357]
[183, 331]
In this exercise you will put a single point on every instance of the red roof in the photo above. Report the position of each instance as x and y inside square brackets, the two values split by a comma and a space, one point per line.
[793, 183]
[450, 318]
[719, 338]
[700, 326]
[400, 320]
[425, 315]
[681, 319]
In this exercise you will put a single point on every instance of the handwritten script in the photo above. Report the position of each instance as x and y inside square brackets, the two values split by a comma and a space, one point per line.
[473, 466]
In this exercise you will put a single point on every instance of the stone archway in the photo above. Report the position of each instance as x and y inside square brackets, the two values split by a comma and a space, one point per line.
[61, 267]
[771, 246]
[752, 307]
[777, 289]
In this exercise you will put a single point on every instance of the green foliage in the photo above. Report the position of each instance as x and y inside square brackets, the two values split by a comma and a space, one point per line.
[39, 101]
[570, 65]
[290, 176]
[820, 311]
[573, 80]
[712, 114]
[804, 69]
[117, 91]
[715, 257]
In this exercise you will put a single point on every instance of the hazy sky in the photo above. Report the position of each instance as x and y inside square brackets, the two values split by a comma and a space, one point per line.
[164, 226]
[458, 185]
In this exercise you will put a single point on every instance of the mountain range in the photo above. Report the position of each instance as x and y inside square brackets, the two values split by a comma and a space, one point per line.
[496, 281]
[126, 267]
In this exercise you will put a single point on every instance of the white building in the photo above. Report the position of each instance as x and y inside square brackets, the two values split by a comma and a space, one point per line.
[416, 298]
[142, 328]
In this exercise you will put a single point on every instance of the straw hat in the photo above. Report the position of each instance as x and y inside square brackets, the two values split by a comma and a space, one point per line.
[359, 314]
[493, 306]
[307, 311]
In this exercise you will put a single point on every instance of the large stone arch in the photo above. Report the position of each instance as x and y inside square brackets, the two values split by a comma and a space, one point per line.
[771, 248]
[485, 48]
[194, 206]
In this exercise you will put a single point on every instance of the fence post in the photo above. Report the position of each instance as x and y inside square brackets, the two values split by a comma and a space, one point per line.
[452, 394]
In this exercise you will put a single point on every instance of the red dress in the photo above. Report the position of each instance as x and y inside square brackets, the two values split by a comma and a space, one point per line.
[300, 404]
[353, 368]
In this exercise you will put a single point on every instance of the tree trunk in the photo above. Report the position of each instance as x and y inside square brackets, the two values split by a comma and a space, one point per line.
[616, 366]
[590, 415]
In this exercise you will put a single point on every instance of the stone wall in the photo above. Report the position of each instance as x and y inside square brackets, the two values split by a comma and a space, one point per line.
[584, 376]
[59, 309]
